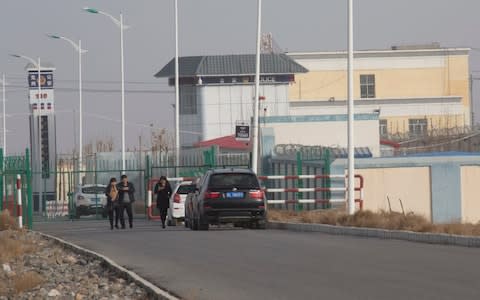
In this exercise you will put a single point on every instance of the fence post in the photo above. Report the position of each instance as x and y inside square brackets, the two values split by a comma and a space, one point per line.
[28, 172]
[2, 178]
[298, 205]
[148, 175]
[19, 202]
[328, 182]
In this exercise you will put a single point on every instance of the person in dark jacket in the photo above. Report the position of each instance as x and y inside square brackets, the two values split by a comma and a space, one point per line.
[126, 197]
[163, 191]
[112, 202]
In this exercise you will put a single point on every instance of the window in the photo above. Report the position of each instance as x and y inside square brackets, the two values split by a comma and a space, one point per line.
[417, 127]
[367, 86]
[188, 101]
[234, 180]
[186, 189]
[383, 128]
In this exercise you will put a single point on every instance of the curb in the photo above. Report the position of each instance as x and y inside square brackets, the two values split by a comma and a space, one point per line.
[152, 290]
[418, 237]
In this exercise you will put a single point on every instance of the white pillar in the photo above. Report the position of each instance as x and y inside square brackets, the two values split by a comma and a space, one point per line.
[177, 94]
[351, 147]
[4, 118]
[255, 130]
[123, 95]
[80, 104]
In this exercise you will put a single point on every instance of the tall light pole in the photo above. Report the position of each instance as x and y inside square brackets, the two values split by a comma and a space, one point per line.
[78, 48]
[177, 93]
[36, 64]
[4, 116]
[256, 103]
[351, 148]
[119, 23]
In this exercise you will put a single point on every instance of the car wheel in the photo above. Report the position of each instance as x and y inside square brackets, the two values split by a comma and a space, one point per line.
[202, 225]
[172, 222]
[194, 223]
[261, 225]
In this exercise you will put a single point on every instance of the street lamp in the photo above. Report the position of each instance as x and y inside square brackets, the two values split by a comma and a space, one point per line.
[78, 48]
[39, 136]
[177, 93]
[119, 23]
[351, 147]
[256, 103]
[4, 116]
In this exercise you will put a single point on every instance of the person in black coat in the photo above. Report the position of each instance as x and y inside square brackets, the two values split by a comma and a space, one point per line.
[126, 197]
[163, 191]
[112, 202]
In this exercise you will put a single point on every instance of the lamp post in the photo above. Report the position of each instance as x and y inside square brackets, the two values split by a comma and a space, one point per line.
[39, 136]
[351, 148]
[177, 92]
[4, 116]
[78, 48]
[256, 103]
[119, 23]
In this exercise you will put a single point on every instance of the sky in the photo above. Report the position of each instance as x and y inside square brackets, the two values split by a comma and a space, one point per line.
[205, 27]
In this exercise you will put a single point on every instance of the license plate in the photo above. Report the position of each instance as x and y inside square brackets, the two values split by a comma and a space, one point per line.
[234, 194]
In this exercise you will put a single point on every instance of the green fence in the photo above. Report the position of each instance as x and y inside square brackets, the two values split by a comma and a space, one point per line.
[10, 168]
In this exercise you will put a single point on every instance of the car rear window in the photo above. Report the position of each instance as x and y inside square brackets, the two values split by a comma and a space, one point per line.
[186, 189]
[230, 180]
[94, 190]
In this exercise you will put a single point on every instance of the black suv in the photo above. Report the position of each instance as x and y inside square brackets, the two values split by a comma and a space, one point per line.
[226, 196]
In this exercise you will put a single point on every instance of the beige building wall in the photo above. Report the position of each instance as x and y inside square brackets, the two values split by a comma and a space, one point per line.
[411, 185]
[398, 75]
[470, 179]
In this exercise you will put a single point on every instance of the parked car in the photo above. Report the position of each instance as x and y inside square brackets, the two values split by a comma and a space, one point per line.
[90, 199]
[227, 196]
[176, 212]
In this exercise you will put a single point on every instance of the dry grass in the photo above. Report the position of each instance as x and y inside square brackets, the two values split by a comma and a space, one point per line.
[382, 219]
[26, 281]
[13, 246]
[7, 221]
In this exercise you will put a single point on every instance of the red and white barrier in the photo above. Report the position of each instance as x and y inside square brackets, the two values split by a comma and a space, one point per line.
[358, 188]
[150, 185]
[57, 208]
[19, 202]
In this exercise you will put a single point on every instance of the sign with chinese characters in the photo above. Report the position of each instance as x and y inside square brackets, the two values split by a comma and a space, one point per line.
[40, 93]
[46, 80]
[42, 96]
[242, 131]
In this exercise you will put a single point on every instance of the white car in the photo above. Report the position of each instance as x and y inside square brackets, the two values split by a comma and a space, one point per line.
[176, 212]
[90, 199]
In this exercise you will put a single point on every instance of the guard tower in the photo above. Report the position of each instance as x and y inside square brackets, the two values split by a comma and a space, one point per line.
[42, 133]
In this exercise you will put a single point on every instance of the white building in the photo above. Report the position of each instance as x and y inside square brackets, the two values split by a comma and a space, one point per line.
[218, 91]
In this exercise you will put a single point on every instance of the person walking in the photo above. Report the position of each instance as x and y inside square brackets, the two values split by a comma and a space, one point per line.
[126, 197]
[112, 202]
[163, 191]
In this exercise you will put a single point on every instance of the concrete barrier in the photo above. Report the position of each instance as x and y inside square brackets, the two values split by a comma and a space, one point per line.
[419, 237]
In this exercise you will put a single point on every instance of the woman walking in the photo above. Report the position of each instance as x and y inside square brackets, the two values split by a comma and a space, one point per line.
[163, 192]
[112, 202]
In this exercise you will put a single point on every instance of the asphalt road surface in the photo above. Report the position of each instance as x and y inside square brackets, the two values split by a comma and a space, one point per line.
[228, 263]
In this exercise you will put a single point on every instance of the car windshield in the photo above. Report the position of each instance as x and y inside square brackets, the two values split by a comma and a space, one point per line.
[93, 190]
[186, 189]
[234, 180]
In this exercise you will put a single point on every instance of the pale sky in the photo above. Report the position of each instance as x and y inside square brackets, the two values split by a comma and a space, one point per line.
[206, 27]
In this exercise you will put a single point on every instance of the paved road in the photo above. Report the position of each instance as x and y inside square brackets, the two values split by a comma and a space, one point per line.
[250, 264]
